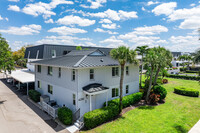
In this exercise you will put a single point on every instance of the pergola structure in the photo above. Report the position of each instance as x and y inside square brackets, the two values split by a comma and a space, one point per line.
[23, 76]
[94, 89]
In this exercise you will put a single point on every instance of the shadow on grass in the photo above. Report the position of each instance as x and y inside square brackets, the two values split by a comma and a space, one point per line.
[146, 107]
[180, 128]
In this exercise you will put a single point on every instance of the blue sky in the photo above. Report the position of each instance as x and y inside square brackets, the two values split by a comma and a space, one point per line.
[107, 23]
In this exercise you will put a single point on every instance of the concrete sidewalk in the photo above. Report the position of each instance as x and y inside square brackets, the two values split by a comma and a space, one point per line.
[195, 128]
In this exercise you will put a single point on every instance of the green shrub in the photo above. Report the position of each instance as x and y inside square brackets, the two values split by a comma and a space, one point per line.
[65, 115]
[183, 69]
[186, 91]
[99, 116]
[34, 95]
[189, 71]
[184, 77]
[160, 91]
[127, 100]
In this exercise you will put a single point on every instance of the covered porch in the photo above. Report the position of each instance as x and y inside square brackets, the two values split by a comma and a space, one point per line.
[23, 76]
[95, 89]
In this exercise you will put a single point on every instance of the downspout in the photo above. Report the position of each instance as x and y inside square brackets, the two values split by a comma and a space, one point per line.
[77, 91]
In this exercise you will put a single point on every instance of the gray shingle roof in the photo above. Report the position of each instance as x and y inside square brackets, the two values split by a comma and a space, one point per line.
[94, 88]
[79, 59]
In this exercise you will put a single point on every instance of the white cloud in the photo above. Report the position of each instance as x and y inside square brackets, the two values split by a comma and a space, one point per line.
[110, 26]
[49, 21]
[23, 30]
[146, 30]
[105, 21]
[143, 9]
[184, 43]
[113, 42]
[6, 19]
[63, 30]
[115, 15]
[165, 8]
[94, 4]
[1, 18]
[190, 17]
[44, 9]
[191, 23]
[152, 3]
[67, 40]
[13, 8]
[192, 4]
[14, 0]
[104, 31]
[72, 20]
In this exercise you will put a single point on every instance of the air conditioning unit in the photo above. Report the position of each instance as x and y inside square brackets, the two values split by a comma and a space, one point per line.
[44, 98]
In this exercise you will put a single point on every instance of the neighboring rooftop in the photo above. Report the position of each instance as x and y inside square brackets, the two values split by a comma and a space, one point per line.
[44, 51]
[80, 58]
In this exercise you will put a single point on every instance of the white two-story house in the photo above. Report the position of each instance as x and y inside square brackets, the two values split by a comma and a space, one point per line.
[84, 79]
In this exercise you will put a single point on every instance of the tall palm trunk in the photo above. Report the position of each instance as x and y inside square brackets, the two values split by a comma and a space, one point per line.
[121, 87]
[156, 77]
[141, 72]
[150, 84]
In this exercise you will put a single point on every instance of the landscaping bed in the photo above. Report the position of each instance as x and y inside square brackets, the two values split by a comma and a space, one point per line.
[178, 114]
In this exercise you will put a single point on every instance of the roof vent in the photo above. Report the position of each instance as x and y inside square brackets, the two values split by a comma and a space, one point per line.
[101, 60]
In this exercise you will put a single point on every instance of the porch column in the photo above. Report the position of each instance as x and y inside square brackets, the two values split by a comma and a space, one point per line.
[18, 85]
[90, 102]
[106, 98]
[27, 89]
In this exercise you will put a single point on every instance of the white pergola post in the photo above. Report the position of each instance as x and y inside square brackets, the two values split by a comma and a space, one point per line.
[13, 81]
[18, 85]
[106, 98]
[27, 89]
[90, 102]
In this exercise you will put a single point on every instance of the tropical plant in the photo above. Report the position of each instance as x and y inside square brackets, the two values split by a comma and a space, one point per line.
[78, 48]
[123, 55]
[142, 51]
[197, 56]
[18, 57]
[157, 59]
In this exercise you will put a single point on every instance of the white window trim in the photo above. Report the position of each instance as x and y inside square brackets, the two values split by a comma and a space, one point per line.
[93, 75]
[115, 92]
[48, 89]
[73, 70]
[115, 72]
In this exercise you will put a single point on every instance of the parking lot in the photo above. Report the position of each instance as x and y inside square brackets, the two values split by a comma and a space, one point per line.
[19, 115]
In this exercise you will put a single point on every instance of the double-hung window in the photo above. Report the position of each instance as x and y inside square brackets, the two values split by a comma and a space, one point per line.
[115, 71]
[115, 92]
[50, 89]
[50, 70]
[127, 89]
[39, 68]
[91, 74]
[59, 72]
[74, 99]
[73, 75]
[127, 70]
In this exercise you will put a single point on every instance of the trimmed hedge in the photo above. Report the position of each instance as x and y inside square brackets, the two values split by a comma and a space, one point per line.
[184, 77]
[189, 71]
[99, 116]
[34, 95]
[183, 69]
[160, 91]
[186, 91]
[65, 115]
[127, 100]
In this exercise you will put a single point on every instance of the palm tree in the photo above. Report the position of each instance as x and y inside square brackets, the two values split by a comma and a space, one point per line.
[164, 60]
[123, 55]
[142, 50]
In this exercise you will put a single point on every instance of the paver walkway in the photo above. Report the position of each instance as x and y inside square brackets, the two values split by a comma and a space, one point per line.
[18, 115]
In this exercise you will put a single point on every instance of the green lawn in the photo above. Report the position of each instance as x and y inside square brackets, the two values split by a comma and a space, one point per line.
[178, 114]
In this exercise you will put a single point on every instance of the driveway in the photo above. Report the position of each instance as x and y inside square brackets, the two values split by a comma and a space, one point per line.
[18, 115]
